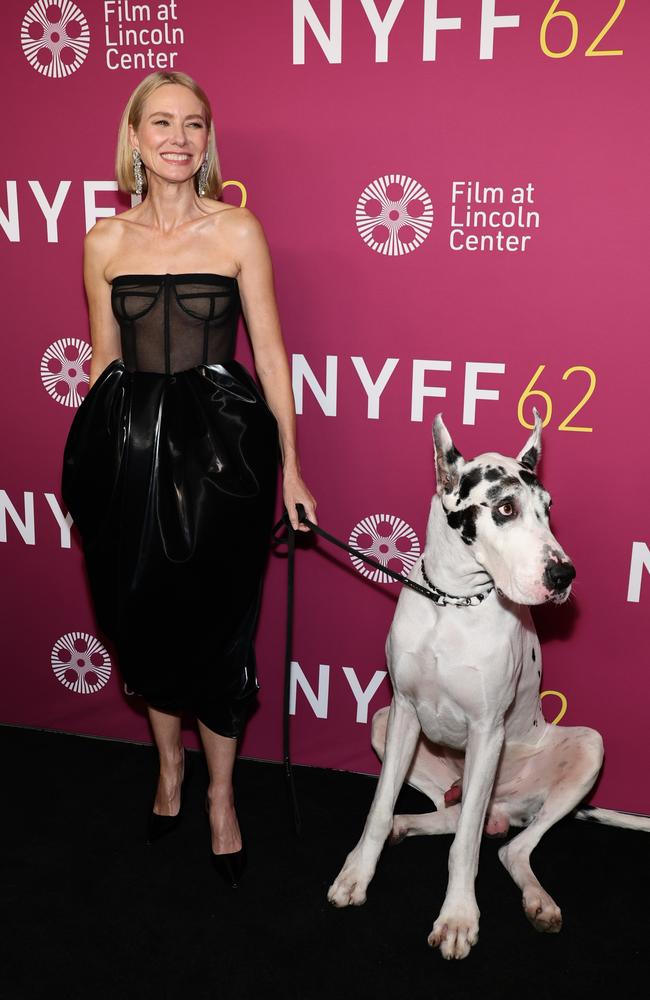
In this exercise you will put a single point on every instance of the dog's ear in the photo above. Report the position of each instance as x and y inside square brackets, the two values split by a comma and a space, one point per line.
[449, 460]
[531, 453]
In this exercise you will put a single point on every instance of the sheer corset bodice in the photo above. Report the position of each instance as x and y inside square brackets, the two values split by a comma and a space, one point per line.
[173, 322]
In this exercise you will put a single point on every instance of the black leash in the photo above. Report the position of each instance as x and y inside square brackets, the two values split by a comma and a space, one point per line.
[289, 536]
[288, 644]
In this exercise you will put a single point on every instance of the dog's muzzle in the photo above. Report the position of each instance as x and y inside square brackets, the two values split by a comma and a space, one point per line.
[558, 576]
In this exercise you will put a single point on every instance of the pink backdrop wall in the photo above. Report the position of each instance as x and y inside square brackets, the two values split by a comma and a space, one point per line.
[307, 128]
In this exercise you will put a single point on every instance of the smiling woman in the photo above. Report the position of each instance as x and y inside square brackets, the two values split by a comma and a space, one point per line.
[153, 135]
[170, 466]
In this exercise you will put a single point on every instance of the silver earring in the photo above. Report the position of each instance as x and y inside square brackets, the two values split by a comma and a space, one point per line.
[137, 170]
[203, 176]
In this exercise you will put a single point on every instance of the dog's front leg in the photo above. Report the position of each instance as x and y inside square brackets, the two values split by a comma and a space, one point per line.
[456, 929]
[349, 888]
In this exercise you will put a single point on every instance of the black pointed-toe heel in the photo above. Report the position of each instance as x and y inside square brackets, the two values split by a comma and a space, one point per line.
[230, 867]
[159, 826]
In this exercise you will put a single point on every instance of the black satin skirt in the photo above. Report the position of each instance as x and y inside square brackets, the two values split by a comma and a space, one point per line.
[171, 481]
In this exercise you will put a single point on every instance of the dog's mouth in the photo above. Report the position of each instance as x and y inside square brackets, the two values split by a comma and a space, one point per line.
[541, 595]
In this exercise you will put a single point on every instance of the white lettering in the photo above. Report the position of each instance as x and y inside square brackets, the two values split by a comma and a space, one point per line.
[92, 210]
[640, 561]
[26, 526]
[10, 222]
[326, 397]
[374, 389]
[490, 21]
[457, 188]
[472, 393]
[318, 702]
[382, 28]
[51, 212]
[420, 390]
[363, 697]
[331, 44]
[64, 521]
[434, 24]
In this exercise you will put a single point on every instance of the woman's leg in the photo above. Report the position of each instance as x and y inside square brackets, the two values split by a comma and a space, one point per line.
[167, 735]
[220, 753]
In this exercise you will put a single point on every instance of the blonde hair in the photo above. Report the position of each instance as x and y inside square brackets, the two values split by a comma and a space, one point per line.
[132, 115]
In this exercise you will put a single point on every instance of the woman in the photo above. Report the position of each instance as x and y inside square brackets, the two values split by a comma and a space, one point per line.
[171, 462]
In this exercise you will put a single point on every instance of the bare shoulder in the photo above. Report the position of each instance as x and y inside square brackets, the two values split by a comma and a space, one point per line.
[238, 223]
[245, 222]
[107, 239]
[104, 237]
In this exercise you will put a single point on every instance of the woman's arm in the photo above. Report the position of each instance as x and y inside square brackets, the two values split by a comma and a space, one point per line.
[255, 280]
[104, 331]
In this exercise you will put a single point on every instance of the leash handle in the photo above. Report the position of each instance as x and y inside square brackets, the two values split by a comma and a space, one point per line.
[302, 514]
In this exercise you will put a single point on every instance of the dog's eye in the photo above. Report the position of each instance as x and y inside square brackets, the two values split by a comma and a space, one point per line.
[506, 509]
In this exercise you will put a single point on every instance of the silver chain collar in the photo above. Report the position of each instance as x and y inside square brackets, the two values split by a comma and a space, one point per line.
[441, 598]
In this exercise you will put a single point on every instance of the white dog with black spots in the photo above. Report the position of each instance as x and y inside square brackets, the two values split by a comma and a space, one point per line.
[465, 725]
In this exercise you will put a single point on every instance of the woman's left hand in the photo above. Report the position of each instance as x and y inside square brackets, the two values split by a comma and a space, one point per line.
[294, 491]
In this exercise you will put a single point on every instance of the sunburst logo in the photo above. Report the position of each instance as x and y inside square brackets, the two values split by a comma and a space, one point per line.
[394, 215]
[65, 368]
[55, 37]
[389, 540]
[80, 662]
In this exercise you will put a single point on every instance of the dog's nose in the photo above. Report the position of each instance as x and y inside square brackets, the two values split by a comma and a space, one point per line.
[558, 576]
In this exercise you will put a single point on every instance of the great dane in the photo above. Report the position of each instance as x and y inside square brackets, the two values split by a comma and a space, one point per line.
[465, 725]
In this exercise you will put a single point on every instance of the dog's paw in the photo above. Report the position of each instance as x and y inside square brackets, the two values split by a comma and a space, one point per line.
[349, 887]
[542, 911]
[346, 891]
[455, 932]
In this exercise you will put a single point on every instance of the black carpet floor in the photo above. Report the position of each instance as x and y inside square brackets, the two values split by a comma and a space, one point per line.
[88, 911]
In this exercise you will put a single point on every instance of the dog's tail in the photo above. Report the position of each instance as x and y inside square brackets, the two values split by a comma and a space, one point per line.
[612, 817]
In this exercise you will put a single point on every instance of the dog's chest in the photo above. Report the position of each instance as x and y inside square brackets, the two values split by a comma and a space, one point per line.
[444, 722]
[455, 682]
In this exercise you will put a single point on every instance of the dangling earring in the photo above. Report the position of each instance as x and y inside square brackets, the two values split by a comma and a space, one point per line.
[137, 171]
[203, 176]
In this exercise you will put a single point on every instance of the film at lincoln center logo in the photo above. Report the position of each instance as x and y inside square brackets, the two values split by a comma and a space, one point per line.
[80, 662]
[394, 214]
[65, 368]
[55, 37]
[387, 539]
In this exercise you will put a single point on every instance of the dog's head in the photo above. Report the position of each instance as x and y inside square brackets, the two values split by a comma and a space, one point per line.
[499, 508]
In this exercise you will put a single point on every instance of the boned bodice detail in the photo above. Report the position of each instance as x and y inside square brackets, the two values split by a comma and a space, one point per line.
[173, 322]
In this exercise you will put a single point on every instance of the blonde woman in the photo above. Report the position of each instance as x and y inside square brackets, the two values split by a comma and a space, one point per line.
[170, 465]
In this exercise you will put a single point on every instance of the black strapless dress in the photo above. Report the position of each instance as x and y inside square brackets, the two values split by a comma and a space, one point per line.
[170, 472]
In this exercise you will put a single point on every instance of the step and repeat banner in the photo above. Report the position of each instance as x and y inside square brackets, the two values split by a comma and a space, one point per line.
[453, 193]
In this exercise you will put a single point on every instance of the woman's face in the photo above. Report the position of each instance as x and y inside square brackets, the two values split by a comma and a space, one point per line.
[172, 136]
